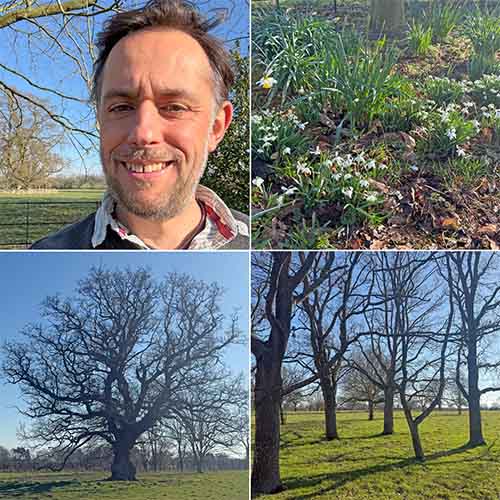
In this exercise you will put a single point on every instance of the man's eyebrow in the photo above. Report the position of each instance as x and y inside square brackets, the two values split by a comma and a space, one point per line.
[114, 93]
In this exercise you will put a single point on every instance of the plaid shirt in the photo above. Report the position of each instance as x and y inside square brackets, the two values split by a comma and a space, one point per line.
[220, 226]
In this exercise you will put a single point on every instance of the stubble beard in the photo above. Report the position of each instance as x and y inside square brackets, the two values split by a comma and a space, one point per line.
[164, 207]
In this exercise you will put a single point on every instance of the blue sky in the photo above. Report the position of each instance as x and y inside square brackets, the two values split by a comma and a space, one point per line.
[28, 277]
[39, 59]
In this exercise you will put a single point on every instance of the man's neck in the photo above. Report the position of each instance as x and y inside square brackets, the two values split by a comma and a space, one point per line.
[163, 234]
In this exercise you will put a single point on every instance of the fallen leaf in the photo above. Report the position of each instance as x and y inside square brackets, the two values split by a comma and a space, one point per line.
[450, 223]
[489, 229]
[378, 245]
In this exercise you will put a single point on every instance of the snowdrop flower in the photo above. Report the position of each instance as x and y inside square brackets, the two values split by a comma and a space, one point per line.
[348, 192]
[302, 168]
[287, 151]
[460, 151]
[371, 197]
[364, 183]
[337, 177]
[258, 181]
[317, 151]
[371, 164]
[266, 82]
[451, 133]
[347, 176]
[289, 191]
[302, 126]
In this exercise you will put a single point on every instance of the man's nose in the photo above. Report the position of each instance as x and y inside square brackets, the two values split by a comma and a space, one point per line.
[146, 127]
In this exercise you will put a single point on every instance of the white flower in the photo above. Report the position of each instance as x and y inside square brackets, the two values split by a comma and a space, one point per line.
[266, 82]
[451, 133]
[302, 126]
[258, 181]
[460, 151]
[287, 151]
[289, 191]
[364, 183]
[302, 168]
[371, 197]
[317, 151]
[347, 176]
[347, 192]
[371, 164]
[337, 176]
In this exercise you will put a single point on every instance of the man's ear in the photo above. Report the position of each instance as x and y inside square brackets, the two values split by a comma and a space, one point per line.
[221, 122]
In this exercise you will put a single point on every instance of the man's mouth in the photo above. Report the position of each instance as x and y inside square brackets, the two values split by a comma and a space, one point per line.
[147, 168]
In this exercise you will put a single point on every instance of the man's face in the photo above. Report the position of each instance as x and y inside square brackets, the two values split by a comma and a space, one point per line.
[158, 121]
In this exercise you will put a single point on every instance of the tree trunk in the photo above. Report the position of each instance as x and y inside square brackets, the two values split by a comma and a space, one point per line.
[415, 437]
[282, 415]
[370, 410]
[388, 411]
[387, 16]
[122, 469]
[266, 470]
[475, 428]
[330, 410]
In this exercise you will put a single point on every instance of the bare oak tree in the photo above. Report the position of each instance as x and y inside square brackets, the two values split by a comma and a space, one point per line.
[110, 363]
[474, 286]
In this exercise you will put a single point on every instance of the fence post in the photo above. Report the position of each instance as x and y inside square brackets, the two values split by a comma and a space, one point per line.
[27, 222]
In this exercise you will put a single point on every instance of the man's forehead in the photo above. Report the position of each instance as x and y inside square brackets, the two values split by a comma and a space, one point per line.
[169, 55]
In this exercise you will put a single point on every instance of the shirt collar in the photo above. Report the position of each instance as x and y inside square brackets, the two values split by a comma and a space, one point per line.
[221, 226]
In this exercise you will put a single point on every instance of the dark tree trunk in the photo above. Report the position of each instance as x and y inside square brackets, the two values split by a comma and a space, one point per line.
[415, 437]
[387, 16]
[388, 411]
[370, 410]
[122, 469]
[475, 428]
[330, 411]
[266, 471]
[282, 415]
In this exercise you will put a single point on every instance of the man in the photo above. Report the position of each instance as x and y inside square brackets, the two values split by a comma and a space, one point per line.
[160, 87]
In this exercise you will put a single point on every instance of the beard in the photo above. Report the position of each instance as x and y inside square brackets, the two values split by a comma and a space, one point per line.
[166, 205]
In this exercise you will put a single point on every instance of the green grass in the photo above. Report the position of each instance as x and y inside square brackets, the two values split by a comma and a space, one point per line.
[43, 220]
[230, 485]
[364, 465]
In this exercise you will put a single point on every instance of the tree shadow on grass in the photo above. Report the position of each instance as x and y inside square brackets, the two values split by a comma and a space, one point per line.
[341, 478]
[19, 489]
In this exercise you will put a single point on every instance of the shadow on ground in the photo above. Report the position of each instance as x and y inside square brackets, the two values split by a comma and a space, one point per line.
[341, 478]
[19, 489]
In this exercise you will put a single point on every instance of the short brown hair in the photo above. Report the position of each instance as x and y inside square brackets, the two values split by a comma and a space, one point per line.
[173, 14]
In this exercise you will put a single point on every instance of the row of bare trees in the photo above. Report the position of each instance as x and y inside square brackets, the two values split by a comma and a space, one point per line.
[396, 323]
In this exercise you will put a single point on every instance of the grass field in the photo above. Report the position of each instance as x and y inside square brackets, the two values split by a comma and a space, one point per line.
[363, 465]
[230, 485]
[23, 220]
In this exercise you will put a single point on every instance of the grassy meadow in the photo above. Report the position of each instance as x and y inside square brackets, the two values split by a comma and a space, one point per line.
[16, 209]
[364, 465]
[230, 485]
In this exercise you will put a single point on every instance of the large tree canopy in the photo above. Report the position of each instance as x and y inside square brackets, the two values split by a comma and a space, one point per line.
[120, 356]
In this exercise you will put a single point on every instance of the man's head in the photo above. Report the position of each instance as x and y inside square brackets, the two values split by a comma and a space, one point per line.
[160, 86]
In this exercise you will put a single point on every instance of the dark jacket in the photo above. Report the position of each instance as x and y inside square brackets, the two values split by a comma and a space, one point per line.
[78, 236]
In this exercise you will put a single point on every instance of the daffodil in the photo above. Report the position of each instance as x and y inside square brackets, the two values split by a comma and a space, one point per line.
[266, 82]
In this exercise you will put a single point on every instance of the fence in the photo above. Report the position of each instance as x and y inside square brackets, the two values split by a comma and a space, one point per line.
[23, 222]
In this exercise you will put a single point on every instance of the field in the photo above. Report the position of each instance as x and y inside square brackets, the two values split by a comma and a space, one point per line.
[363, 465]
[23, 220]
[367, 141]
[230, 485]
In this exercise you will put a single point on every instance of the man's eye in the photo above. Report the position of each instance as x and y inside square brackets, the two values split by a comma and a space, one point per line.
[120, 108]
[174, 108]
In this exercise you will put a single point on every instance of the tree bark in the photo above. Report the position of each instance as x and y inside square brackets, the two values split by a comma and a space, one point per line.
[388, 411]
[415, 437]
[122, 469]
[387, 16]
[330, 409]
[475, 427]
[370, 410]
[266, 472]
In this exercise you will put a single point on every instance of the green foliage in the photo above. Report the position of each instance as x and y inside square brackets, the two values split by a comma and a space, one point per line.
[464, 172]
[419, 38]
[483, 30]
[447, 130]
[443, 90]
[365, 465]
[362, 79]
[290, 48]
[276, 135]
[227, 171]
[486, 90]
[442, 17]
[401, 113]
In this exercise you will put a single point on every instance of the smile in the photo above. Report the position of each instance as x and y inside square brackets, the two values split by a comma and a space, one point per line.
[146, 168]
